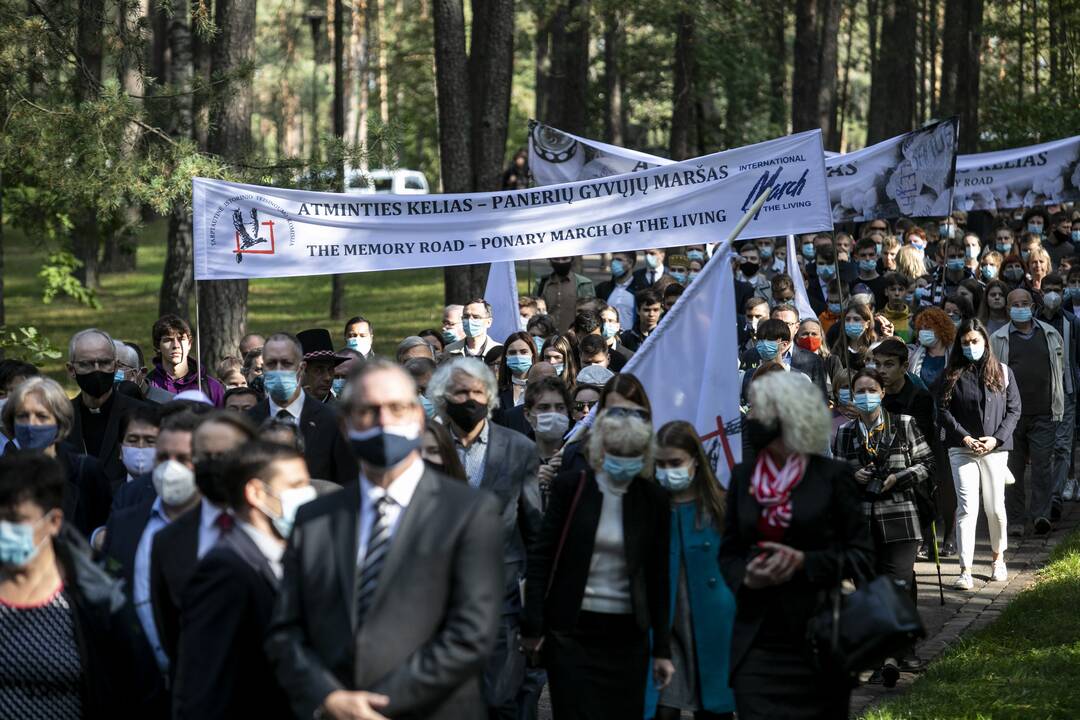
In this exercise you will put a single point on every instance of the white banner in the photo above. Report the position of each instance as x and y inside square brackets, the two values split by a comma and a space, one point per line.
[502, 294]
[248, 231]
[1025, 177]
[908, 175]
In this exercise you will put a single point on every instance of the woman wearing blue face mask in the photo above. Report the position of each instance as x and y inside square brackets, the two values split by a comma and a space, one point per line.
[980, 408]
[559, 351]
[856, 335]
[842, 409]
[702, 612]
[598, 578]
[891, 458]
[520, 355]
[39, 416]
[935, 332]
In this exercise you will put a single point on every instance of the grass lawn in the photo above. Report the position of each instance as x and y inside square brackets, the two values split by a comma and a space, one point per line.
[1026, 664]
[398, 303]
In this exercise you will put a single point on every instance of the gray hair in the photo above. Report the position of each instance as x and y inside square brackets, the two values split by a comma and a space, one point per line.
[85, 333]
[787, 399]
[472, 367]
[351, 392]
[52, 396]
[126, 354]
[622, 435]
[409, 343]
[288, 337]
[453, 308]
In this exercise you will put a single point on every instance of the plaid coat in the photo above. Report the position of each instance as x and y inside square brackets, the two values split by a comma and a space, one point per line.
[903, 451]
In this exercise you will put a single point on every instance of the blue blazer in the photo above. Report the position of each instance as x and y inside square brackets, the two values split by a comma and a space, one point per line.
[711, 604]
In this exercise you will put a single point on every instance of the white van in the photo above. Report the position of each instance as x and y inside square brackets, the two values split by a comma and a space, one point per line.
[396, 182]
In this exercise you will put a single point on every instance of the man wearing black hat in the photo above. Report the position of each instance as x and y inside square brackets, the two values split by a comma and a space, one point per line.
[325, 449]
[319, 363]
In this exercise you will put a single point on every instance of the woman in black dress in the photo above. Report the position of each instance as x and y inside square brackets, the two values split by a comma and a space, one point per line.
[793, 527]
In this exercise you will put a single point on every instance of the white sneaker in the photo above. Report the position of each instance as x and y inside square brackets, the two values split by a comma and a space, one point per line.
[964, 582]
[1069, 493]
[999, 573]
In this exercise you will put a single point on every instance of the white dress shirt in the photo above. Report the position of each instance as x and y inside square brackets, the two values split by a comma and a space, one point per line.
[400, 493]
[270, 548]
[209, 532]
[294, 408]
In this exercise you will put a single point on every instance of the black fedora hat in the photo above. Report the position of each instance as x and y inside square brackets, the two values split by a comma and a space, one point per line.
[318, 345]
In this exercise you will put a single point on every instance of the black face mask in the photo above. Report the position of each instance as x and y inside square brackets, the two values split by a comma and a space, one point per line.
[750, 269]
[208, 478]
[257, 385]
[561, 268]
[383, 449]
[759, 435]
[96, 383]
[466, 415]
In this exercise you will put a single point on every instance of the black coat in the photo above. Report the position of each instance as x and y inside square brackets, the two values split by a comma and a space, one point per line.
[433, 619]
[977, 411]
[111, 463]
[87, 495]
[646, 530]
[606, 287]
[326, 451]
[173, 558]
[134, 492]
[827, 525]
[122, 535]
[809, 364]
[222, 670]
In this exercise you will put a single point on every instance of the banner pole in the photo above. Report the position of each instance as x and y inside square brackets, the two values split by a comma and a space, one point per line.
[198, 339]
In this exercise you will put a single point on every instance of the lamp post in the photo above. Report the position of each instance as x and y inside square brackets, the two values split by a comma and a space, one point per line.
[315, 19]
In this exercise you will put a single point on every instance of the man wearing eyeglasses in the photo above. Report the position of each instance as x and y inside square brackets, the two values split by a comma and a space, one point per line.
[98, 410]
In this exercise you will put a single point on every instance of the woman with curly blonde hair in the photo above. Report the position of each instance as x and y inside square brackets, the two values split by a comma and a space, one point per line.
[936, 332]
[909, 261]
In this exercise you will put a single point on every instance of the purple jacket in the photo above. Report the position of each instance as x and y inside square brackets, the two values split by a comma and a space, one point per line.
[211, 386]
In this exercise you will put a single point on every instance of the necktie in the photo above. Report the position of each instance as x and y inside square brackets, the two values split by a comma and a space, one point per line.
[377, 547]
[224, 522]
[285, 416]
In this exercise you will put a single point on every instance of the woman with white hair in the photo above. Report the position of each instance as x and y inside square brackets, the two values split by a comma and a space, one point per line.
[598, 578]
[793, 528]
[38, 416]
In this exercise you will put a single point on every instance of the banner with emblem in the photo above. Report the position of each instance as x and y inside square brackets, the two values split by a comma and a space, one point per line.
[908, 175]
[249, 231]
[1024, 177]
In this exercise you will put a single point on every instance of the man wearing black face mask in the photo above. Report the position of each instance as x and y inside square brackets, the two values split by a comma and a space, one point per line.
[506, 463]
[98, 409]
[561, 290]
[389, 600]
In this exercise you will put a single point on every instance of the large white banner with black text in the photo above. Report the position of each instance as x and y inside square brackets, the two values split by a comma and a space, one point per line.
[1024, 177]
[248, 231]
[908, 175]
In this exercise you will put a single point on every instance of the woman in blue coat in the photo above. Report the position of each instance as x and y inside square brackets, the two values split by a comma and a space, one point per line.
[703, 608]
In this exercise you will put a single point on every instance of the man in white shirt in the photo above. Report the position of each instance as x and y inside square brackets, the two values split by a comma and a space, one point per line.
[476, 319]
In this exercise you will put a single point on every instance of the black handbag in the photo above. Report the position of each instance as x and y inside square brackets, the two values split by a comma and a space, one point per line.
[863, 628]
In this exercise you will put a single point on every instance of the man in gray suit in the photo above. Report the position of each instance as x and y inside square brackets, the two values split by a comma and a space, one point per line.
[406, 562]
[505, 463]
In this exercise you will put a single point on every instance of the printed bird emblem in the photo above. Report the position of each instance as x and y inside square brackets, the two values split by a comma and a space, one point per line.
[247, 240]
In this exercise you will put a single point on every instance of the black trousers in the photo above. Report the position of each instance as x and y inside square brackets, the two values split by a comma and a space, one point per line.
[597, 670]
[898, 559]
[777, 682]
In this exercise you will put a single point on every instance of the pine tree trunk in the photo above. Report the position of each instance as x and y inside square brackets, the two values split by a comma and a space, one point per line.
[576, 84]
[89, 44]
[776, 20]
[838, 139]
[827, 66]
[892, 88]
[223, 303]
[960, 68]
[806, 76]
[337, 282]
[613, 110]
[683, 100]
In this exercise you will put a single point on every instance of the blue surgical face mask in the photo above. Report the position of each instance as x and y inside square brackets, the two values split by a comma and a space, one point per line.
[137, 460]
[429, 407]
[989, 272]
[878, 246]
[909, 298]
[834, 308]
[35, 437]
[844, 396]
[973, 352]
[679, 277]
[519, 363]
[808, 251]
[474, 327]
[1014, 274]
[694, 274]
[118, 376]
[922, 292]
[927, 338]
[1071, 293]
[1035, 228]
[609, 330]
[955, 264]
[868, 402]
[826, 271]
[621, 470]
[539, 341]
[696, 255]
[971, 251]
[449, 336]
[652, 261]
[559, 367]
[767, 349]
[290, 500]
[854, 329]
[917, 243]
[868, 265]
[946, 231]
[1075, 236]
[1004, 248]
[1024, 254]
[280, 385]
[618, 269]
[1020, 314]
[337, 386]
[674, 479]
[17, 547]
[765, 252]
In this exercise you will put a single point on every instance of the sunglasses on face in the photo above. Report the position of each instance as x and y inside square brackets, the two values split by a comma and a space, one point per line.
[628, 412]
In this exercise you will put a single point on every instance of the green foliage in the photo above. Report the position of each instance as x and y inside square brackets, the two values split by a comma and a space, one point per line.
[58, 276]
[27, 344]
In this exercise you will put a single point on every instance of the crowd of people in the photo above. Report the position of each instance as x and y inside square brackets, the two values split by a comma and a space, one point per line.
[316, 530]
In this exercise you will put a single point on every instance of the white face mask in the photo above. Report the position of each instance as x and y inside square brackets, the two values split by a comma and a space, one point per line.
[137, 461]
[360, 344]
[551, 425]
[174, 483]
[290, 500]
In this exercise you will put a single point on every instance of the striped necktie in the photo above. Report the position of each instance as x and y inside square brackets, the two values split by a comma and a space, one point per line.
[377, 547]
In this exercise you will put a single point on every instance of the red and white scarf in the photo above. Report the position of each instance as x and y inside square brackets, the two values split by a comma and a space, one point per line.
[772, 487]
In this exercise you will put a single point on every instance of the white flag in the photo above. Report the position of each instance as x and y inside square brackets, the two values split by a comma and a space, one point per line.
[802, 300]
[502, 295]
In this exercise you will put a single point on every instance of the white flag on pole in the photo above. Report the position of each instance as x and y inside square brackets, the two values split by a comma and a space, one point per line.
[802, 300]
[502, 295]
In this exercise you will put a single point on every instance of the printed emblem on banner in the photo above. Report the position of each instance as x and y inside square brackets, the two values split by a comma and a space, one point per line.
[552, 145]
[252, 225]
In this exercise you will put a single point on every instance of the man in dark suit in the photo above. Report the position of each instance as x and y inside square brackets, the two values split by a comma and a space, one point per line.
[809, 364]
[654, 275]
[649, 309]
[222, 670]
[774, 343]
[406, 562]
[325, 449]
[178, 548]
[506, 463]
[95, 430]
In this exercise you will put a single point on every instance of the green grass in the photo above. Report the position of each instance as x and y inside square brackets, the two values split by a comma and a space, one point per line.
[1025, 665]
[398, 303]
